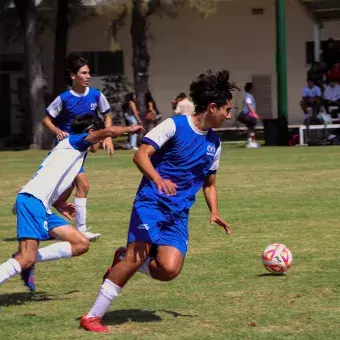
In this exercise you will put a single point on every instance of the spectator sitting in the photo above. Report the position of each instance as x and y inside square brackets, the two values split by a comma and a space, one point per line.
[316, 73]
[311, 97]
[182, 105]
[331, 53]
[331, 96]
[334, 73]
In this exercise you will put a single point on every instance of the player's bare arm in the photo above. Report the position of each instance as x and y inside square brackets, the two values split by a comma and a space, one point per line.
[210, 194]
[107, 143]
[48, 123]
[142, 161]
[112, 131]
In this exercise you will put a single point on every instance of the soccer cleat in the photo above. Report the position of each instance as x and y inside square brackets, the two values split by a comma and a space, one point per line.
[120, 252]
[93, 324]
[91, 236]
[27, 275]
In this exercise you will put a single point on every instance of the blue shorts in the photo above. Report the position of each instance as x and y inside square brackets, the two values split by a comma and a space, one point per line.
[153, 222]
[33, 221]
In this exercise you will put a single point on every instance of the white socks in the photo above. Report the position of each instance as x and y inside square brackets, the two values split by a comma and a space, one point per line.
[9, 269]
[108, 292]
[80, 219]
[55, 251]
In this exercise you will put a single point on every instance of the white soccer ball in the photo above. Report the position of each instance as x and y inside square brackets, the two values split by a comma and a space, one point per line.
[277, 258]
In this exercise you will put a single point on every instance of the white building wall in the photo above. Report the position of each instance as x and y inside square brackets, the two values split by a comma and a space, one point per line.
[184, 46]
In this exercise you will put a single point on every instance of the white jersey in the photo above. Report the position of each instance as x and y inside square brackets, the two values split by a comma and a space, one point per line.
[58, 170]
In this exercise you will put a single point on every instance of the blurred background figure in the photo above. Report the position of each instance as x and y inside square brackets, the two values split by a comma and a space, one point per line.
[248, 116]
[311, 99]
[182, 105]
[316, 74]
[330, 53]
[152, 115]
[131, 115]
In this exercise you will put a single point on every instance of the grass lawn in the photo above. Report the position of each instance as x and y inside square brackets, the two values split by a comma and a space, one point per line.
[286, 195]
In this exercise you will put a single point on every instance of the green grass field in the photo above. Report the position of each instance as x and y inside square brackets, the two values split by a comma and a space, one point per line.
[286, 195]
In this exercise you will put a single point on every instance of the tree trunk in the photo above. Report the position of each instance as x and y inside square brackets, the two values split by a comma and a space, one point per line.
[26, 11]
[60, 46]
[141, 57]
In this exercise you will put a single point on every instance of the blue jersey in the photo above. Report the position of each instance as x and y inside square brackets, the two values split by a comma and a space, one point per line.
[69, 105]
[185, 155]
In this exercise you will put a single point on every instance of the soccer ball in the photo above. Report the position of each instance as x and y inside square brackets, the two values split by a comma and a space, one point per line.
[277, 258]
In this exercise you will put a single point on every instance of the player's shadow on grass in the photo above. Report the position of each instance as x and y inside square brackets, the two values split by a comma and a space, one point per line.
[122, 316]
[119, 317]
[10, 239]
[17, 299]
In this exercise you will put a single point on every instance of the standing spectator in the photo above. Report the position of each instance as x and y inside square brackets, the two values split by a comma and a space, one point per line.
[131, 115]
[182, 105]
[152, 114]
[311, 97]
[248, 116]
[331, 53]
[334, 73]
[316, 73]
[331, 96]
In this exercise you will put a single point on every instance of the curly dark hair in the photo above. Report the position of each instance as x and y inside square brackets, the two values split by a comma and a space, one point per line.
[211, 87]
[73, 63]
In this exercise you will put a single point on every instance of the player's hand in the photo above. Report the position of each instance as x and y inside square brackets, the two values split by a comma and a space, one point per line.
[216, 218]
[68, 210]
[108, 145]
[166, 186]
[137, 128]
[61, 134]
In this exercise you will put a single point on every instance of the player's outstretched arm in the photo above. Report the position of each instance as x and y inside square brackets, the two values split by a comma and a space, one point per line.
[210, 194]
[112, 131]
[143, 163]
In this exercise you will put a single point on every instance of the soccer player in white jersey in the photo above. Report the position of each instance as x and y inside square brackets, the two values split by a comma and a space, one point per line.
[78, 101]
[177, 158]
[35, 221]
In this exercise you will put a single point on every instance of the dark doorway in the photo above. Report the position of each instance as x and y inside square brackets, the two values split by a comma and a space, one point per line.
[5, 105]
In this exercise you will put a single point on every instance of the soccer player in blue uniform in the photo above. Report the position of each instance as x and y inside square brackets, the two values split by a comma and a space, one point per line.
[177, 158]
[78, 101]
[35, 221]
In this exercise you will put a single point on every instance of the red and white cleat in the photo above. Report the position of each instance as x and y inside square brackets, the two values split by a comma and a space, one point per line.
[93, 324]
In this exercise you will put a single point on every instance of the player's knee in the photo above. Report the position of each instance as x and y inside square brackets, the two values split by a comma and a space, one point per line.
[80, 247]
[170, 271]
[84, 246]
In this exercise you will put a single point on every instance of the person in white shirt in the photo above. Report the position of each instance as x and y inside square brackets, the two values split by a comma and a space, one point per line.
[35, 221]
[331, 96]
[182, 105]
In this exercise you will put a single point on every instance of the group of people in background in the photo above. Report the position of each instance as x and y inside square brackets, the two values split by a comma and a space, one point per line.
[322, 90]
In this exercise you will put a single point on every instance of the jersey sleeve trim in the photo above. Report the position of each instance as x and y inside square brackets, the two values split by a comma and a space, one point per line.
[149, 141]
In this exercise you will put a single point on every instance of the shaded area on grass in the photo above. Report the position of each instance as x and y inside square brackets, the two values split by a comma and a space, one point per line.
[17, 299]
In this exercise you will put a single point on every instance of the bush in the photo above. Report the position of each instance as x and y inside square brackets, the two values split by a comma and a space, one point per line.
[115, 88]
